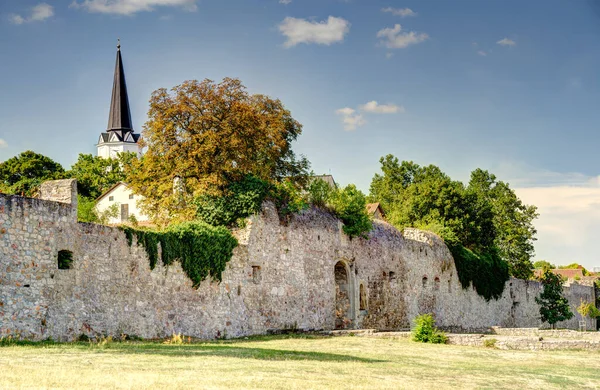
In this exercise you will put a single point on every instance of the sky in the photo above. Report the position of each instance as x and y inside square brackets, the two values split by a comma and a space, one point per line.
[508, 86]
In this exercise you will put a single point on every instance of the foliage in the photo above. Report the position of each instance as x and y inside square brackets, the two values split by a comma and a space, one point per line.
[484, 222]
[211, 135]
[350, 205]
[319, 192]
[543, 265]
[23, 174]
[485, 270]
[240, 200]
[288, 198]
[554, 307]
[95, 175]
[86, 209]
[513, 222]
[490, 343]
[584, 271]
[202, 250]
[425, 331]
[107, 214]
[588, 309]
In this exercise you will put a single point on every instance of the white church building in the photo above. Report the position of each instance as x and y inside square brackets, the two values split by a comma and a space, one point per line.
[118, 138]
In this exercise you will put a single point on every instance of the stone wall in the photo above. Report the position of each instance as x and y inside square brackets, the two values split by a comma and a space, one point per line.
[280, 277]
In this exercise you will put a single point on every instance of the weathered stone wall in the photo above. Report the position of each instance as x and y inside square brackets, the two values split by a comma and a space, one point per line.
[280, 277]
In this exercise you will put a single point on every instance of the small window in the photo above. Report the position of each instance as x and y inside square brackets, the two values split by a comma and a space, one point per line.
[363, 297]
[436, 283]
[130, 196]
[111, 198]
[392, 276]
[424, 281]
[256, 273]
[65, 259]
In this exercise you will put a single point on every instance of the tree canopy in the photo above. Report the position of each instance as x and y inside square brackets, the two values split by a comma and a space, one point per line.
[207, 135]
[95, 175]
[485, 217]
[23, 174]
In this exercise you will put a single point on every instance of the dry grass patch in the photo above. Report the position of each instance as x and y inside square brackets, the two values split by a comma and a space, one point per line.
[286, 362]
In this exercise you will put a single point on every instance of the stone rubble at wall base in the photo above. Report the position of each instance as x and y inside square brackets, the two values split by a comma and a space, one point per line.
[280, 277]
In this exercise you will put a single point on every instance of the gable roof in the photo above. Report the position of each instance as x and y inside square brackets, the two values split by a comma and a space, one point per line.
[373, 207]
[111, 189]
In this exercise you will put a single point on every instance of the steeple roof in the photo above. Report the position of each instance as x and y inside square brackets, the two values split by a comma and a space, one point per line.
[119, 118]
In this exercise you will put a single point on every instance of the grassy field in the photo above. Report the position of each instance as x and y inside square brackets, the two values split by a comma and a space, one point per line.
[288, 362]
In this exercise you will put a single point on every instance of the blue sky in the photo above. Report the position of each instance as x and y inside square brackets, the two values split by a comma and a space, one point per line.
[509, 86]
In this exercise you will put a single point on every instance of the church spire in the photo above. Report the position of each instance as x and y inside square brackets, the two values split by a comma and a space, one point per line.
[119, 118]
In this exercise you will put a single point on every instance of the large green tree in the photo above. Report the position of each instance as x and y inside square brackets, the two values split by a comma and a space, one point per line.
[486, 218]
[554, 307]
[513, 221]
[207, 135]
[23, 174]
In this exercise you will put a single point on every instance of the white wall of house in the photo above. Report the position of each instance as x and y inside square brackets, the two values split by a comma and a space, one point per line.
[111, 150]
[126, 202]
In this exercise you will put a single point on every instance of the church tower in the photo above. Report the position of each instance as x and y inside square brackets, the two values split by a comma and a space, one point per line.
[119, 136]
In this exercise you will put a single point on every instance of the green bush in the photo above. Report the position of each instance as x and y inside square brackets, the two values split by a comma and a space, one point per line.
[490, 343]
[424, 330]
[241, 200]
[202, 250]
[350, 205]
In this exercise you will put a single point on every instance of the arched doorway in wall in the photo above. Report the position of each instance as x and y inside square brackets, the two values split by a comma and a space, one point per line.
[344, 296]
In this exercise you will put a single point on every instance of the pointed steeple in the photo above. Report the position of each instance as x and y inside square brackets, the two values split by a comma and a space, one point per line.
[119, 119]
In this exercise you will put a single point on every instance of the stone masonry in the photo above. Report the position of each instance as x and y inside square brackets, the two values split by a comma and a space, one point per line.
[307, 275]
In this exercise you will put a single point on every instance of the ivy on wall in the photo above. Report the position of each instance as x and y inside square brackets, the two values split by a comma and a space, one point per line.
[203, 250]
[487, 271]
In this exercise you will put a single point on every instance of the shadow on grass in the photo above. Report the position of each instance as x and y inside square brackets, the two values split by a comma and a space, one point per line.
[222, 350]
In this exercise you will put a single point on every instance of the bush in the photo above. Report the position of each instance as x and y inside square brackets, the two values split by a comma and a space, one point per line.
[490, 343]
[350, 205]
[241, 200]
[425, 331]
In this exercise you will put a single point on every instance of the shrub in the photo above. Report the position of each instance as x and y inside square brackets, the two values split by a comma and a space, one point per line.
[490, 343]
[241, 200]
[350, 205]
[425, 331]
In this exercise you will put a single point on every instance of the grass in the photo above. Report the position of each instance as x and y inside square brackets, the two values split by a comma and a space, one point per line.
[288, 362]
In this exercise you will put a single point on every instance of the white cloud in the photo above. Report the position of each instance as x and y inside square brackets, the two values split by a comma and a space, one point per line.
[303, 31]
[375, 108]
[569, 207]
[130, 7]
[17, 19]
[350, 118]
[506, 42]
[393, 38]
[38, 13]
[286, 2]
[403, 12]
[482, 53]
[3, 143]
[568, 223]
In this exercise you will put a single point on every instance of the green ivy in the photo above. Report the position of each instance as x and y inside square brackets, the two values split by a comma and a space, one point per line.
[202, 250]
[487, 271]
